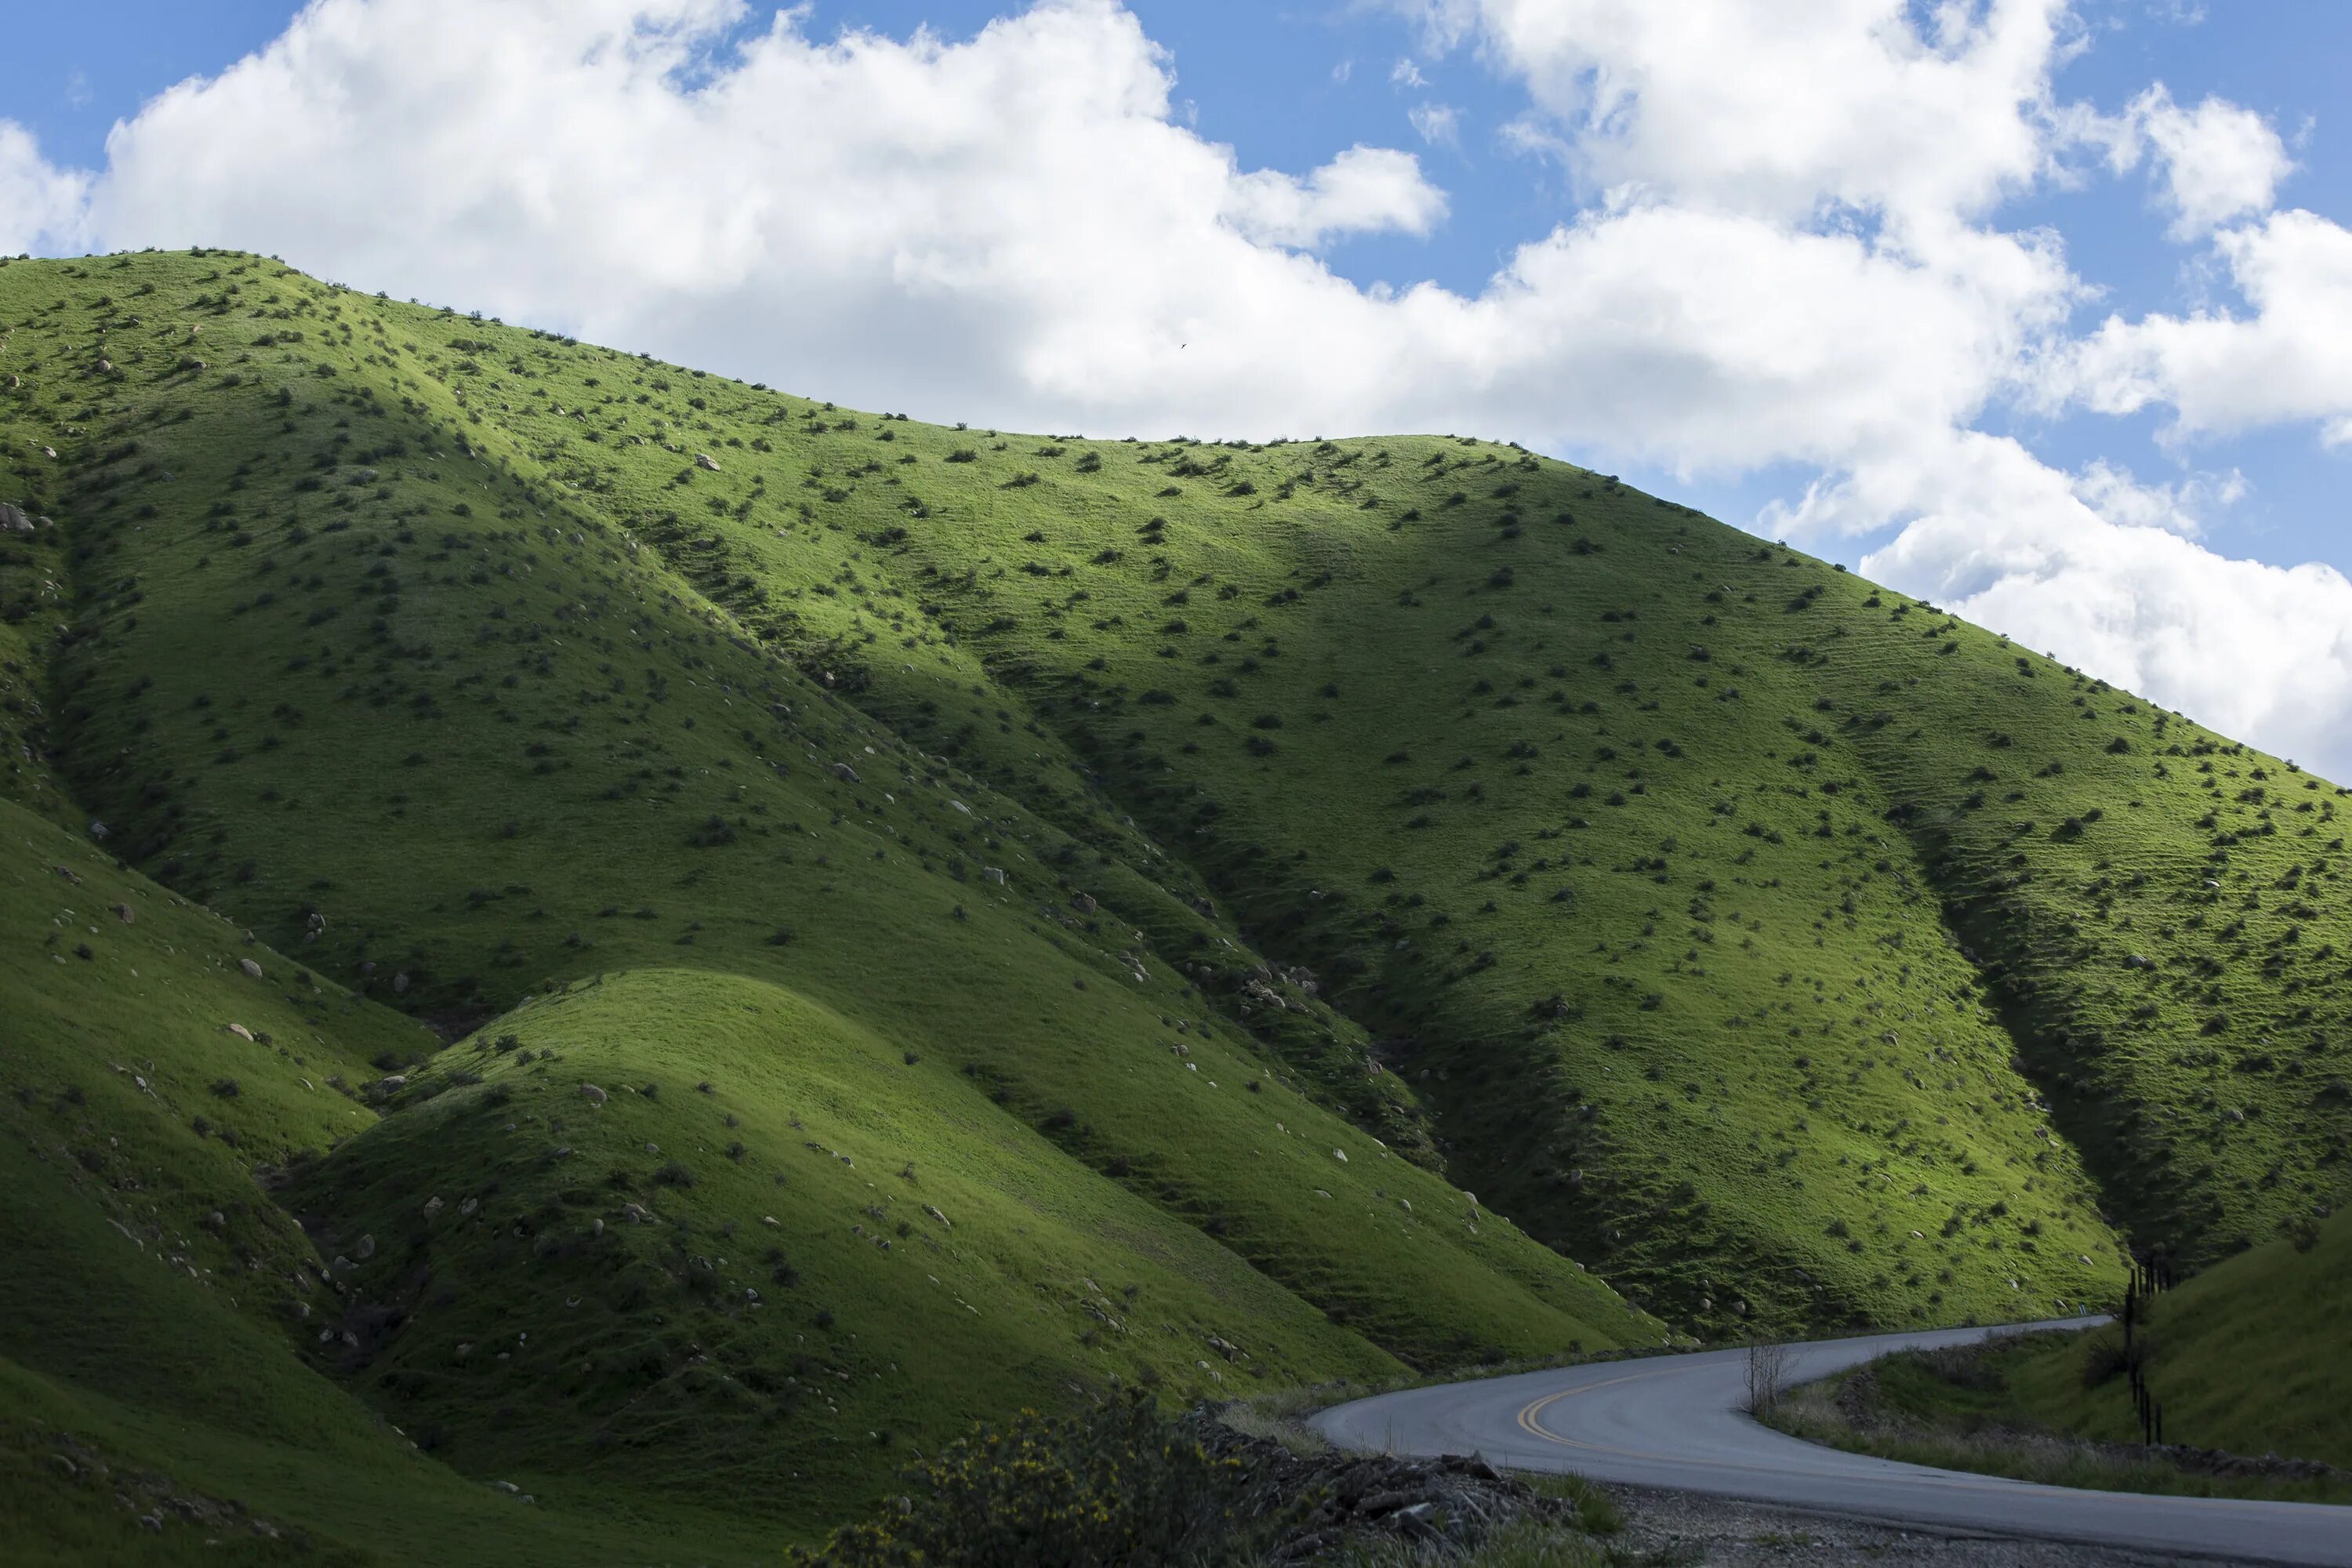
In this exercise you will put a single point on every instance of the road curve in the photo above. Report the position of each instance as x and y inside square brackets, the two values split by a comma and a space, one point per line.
[1675, 1422]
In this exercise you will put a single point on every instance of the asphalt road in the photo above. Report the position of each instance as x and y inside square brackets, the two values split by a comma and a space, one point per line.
[1675, 1422]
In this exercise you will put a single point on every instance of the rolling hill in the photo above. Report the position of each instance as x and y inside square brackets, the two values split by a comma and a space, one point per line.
[1036, 911]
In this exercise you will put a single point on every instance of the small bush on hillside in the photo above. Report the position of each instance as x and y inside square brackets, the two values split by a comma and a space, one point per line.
[1121, 1484]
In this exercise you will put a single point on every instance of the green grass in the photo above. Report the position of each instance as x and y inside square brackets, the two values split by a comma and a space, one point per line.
[1766, 942]
[137, 1327]
[1991, 1413]
[2247, 1357]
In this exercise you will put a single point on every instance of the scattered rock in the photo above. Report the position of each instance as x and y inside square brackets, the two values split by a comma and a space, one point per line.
[241, 1032]
[593, 1095]
[992, 873]
[365, 1250]
[705, 461]
[124, 913]
[1324, 1501]
[845, 773]
[252, 969]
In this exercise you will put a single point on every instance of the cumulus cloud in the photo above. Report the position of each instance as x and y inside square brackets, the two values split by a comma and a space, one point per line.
[2182, 506]
[2217, 162]
[2281, 360]
[1785, 110]
[1362, 191]
[1788, 252]
[2065, 566]
[1015, 228]
[41, 206]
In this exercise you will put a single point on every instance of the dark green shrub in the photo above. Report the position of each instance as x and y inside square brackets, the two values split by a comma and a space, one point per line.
[1121, 1484]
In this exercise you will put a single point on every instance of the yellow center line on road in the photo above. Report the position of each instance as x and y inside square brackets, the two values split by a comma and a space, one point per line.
[1527, 1415]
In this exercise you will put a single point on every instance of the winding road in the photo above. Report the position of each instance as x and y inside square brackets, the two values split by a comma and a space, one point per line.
[1675, 1422]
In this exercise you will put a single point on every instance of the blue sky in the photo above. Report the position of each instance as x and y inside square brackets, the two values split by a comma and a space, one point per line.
[2013, 460]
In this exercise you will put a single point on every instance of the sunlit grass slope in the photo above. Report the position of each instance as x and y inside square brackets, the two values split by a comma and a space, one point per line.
[2249, 1357]
[530, 762]
[1354, 693]
[696, 1232]
[1778, 946]
[737, 1287]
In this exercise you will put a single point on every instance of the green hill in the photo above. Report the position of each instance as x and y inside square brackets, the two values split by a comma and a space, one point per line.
[1193, 870]
[2247, 1357]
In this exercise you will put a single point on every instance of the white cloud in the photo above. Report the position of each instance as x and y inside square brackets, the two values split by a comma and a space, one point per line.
[2283, 360]
[41, 206]
[1362, 191]
[1406, 73]
[1790, 254]
[1439, 124]
[2181, 506]
[1785, 110]
[1015, 226]
[2248, 648]
[2218, 161]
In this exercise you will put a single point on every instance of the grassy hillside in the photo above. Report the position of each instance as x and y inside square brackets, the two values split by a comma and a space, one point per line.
[2247, 1357]
[804, 1208]
[161, 1314]
[775, 1242]
[731, 877]
[1208, 865]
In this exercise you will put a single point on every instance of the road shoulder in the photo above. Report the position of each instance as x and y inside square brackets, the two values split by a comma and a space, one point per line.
[1701, 1530]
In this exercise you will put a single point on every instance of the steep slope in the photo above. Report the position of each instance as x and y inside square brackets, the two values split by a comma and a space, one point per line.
[159, 1308]
[1773, 942]
[509, 754]
[170, 1115]
[767, 1244]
